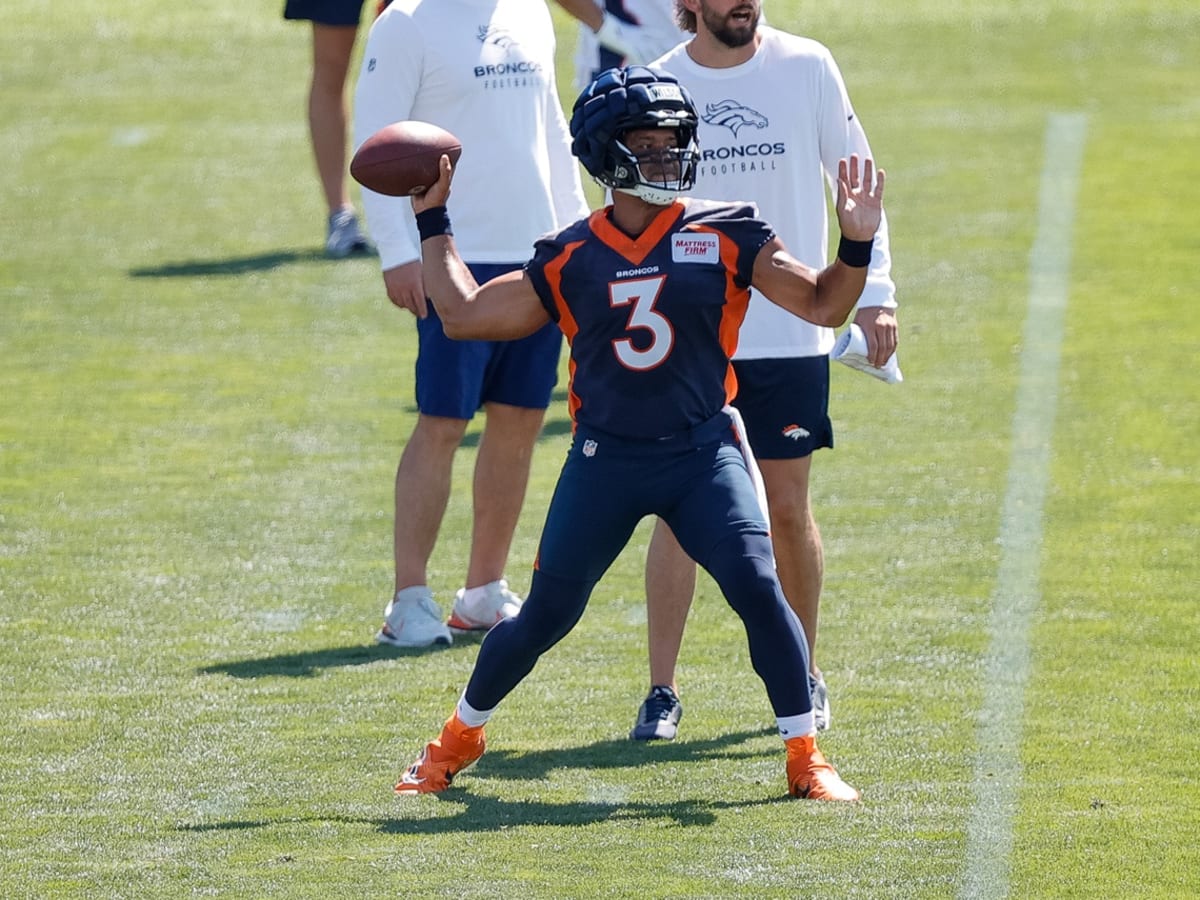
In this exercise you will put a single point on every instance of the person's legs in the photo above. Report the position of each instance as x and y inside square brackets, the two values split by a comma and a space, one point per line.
[501, 477]
[332, 47]
[509, 652]
[785, 405]
[448, 378]
[602, 493]
[670, 585]
[422, 491]
[799, 556]
[716, 524]
[412, 617]
[717, 521]
[327, 124]
[516, 385]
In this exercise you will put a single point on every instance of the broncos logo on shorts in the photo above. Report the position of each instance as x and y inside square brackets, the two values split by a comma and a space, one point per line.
[733, 116]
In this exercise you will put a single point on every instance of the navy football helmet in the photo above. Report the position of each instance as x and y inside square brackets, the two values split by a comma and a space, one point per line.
[636, 97]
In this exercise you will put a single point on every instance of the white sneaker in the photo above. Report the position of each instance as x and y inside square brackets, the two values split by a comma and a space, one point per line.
[344, 236]
[413, 619]
[484, 610]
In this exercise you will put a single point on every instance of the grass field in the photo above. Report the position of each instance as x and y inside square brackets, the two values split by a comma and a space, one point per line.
[199, 423]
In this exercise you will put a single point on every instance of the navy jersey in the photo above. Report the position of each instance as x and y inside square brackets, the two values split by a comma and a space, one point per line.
[651, 321]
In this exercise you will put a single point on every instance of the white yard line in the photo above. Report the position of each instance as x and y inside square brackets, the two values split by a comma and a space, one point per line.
[997, 779]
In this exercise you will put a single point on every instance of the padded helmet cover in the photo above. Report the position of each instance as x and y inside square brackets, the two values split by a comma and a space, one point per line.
[623, 99]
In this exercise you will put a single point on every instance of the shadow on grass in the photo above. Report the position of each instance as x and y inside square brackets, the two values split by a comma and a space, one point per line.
[473, 812]
[486, 814]
[495, 814]
[614, 754]
[234, 265]
[307, 663]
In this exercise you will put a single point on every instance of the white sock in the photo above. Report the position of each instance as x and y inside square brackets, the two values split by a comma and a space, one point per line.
[412, 592]
[796, 726]
[472, 717]
[477, 594]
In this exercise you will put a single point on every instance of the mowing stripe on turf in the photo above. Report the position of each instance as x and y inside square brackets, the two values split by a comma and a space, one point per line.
[997, 778]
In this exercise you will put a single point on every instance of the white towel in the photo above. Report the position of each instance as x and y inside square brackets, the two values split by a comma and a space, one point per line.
[851, 350]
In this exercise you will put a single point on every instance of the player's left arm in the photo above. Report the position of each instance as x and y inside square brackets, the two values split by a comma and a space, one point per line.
[503, 309]
[875, 312]
[827, 297]
[842, 134]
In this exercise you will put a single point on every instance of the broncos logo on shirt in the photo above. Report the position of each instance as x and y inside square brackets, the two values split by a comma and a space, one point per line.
[733, 116]
[498, 36]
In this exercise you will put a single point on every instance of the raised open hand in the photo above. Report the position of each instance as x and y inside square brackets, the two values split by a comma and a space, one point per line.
[859, 198]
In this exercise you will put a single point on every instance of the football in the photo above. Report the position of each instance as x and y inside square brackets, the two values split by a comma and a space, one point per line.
[401, 159]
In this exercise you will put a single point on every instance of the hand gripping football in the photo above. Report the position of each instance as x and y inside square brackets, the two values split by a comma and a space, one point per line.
[401, 159]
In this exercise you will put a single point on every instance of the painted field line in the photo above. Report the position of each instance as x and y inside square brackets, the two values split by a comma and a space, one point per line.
[997, 778]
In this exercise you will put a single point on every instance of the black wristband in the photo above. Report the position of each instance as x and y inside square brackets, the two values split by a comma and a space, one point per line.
[856, 254]
[433, 221]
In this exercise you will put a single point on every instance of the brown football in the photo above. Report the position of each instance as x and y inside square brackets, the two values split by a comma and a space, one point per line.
[402, 158]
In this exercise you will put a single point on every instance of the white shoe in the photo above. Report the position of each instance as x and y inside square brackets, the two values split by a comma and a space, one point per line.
[344, 237]
[413, 619]
[482, 612]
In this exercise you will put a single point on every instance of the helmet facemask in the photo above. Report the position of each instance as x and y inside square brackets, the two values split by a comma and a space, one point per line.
[657, 176]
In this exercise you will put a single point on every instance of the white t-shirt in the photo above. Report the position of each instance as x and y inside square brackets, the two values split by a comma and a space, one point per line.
[772, 131]
[484, 71]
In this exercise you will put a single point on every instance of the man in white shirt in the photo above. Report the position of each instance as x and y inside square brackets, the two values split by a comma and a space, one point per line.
[775, 119]
[483, 70]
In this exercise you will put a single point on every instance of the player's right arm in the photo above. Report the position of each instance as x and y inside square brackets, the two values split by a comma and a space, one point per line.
[504, 309]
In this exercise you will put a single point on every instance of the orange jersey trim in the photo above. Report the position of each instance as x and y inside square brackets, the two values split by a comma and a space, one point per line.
[566, 321]
[634, 249]
[737, 301]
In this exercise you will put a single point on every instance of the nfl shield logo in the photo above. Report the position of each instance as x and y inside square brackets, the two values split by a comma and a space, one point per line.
[589, 447]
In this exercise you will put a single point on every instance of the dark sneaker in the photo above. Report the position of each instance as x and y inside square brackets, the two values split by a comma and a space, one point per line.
[658, 719]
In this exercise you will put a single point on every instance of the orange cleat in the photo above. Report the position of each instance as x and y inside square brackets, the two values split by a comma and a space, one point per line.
[811, 777]
[455, 750]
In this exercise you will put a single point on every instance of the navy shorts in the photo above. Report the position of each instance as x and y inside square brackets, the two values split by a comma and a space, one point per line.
[325, 12]
[455, 378]
[785, 404]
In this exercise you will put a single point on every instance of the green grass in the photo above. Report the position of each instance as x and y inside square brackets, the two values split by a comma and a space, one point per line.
[199, 424]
